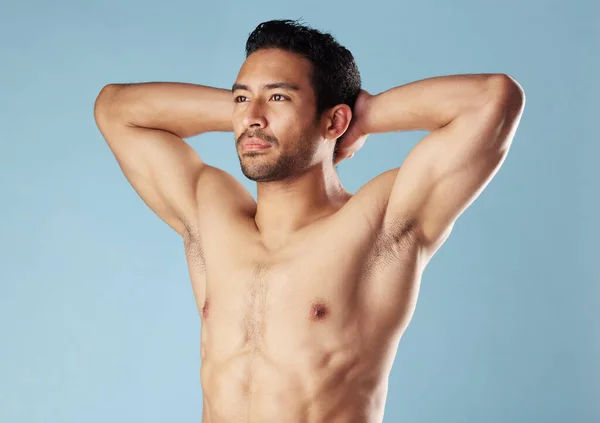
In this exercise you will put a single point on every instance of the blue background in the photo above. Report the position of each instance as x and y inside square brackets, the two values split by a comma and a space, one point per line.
[97, 317]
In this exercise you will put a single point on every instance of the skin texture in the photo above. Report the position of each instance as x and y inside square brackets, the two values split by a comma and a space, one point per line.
[304, 295]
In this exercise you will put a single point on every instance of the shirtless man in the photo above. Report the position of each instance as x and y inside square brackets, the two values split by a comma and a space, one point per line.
[305, 294]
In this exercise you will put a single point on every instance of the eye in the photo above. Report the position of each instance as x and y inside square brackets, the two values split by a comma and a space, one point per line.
[242, 99]
[279, 95]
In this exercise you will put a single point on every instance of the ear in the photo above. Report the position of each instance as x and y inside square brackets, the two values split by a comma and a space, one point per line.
[337, 121]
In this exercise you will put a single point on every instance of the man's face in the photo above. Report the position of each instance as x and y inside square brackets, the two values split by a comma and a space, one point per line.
[283, 115]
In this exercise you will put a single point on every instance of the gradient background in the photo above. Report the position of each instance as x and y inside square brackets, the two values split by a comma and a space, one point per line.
[97, 317]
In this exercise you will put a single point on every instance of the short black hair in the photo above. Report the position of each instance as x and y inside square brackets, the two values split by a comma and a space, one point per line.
[335, 77]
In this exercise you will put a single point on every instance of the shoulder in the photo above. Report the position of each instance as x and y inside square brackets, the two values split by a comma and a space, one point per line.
[221, 201]
[219, 191]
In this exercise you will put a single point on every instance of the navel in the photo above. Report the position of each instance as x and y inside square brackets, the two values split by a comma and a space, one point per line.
[318, 311]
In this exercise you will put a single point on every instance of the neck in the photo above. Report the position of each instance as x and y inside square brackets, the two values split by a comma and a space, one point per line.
[284, 207]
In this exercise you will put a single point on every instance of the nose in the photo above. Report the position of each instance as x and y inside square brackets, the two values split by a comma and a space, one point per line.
[254, 116]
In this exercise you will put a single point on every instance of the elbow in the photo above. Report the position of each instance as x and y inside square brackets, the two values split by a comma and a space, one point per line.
[105, 101]
[107, 93]
[507, 97]
[509, 100]
[507, 92]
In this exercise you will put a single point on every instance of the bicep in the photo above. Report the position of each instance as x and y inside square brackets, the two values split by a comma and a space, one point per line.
[161, 167]
[447, 170]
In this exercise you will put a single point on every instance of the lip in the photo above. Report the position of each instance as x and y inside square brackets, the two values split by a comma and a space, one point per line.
[255, 144]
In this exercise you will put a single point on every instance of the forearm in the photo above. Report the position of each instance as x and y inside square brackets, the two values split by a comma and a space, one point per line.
[183, 109]
[429, 104]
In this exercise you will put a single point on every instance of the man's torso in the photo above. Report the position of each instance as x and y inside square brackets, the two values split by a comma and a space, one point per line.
[305, 332]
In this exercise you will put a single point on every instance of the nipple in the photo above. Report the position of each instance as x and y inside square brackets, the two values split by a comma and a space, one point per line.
[205, 309]
[318, 311]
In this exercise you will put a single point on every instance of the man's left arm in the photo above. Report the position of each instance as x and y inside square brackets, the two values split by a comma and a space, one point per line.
[472, 119]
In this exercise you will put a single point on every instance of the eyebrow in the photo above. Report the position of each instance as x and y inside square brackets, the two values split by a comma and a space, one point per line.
[284, 85]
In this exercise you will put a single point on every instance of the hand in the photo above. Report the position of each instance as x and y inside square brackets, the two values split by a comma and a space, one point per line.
[355, 136]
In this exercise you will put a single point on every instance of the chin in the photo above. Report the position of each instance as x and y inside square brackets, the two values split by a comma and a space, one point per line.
[254, 167]
[260, 166]
[265, 172]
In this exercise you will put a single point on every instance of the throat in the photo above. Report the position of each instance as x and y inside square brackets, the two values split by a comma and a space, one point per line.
[277, 225]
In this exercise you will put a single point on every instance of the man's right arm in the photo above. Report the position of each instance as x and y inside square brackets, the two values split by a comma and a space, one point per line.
[144, 125]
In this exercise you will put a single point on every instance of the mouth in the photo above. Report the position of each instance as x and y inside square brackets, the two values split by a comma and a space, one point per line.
[253, 144]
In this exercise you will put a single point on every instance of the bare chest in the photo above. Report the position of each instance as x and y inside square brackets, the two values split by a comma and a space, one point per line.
[327, 282]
